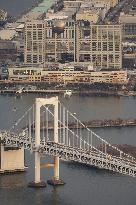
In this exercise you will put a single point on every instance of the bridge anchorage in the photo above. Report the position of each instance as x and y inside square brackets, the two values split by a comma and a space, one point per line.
[79, 144]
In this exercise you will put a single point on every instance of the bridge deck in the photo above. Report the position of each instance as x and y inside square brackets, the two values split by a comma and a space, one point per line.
[91, 157]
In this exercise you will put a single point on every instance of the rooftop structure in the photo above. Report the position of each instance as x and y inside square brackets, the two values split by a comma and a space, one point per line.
[88, 15]
[7, 34]
[127, 18]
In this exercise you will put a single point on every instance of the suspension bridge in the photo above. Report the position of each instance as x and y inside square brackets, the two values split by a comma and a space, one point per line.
[79, 144]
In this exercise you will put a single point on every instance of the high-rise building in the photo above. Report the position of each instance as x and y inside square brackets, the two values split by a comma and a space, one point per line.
[128, 22]
[69, 40]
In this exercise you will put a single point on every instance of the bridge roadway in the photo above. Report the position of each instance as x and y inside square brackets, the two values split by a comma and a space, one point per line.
[92, 157]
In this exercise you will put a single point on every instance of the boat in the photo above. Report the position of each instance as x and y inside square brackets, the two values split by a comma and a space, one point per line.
[68, 93]
[19, 91]
[14, 109]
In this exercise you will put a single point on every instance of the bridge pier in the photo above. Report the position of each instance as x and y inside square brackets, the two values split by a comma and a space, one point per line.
[56, 179]
[37, 182]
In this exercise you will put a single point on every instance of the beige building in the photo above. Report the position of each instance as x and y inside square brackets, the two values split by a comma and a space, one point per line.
[87, 77]
[65, 40]
[128, 22]
[73, 77]
[101, 45]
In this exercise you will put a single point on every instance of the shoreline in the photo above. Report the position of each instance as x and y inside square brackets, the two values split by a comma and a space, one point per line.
[82, 93]
[25, 12]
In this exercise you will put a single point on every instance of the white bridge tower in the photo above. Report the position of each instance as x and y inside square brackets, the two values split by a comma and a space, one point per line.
[55, 180]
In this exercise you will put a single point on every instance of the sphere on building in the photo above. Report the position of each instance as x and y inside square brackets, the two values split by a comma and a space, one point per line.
[58, 26]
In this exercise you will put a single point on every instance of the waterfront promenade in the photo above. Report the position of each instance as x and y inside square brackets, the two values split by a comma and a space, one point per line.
[75, 92]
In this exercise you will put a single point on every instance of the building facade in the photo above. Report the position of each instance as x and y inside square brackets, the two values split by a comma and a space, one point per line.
[73, 41]
[66, 77]
[128, 22]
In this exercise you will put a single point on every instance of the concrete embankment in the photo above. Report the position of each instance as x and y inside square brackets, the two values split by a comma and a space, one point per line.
[92, 124]
[80, 92]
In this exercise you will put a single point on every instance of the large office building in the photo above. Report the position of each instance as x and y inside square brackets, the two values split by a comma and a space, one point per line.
[68, 40]
[128, 22]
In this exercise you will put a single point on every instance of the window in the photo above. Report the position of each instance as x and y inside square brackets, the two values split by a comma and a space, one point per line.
[29, 45]
[39, 25]
[104, 46]
[110, 46]
[39, 35]
[29, 35]
[28, 58]
[34, 58]
[34, 35]
[94, 46]
[34, 46]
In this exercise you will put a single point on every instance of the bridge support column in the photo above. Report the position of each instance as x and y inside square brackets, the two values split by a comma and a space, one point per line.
[56, 168]
[37, 182]
[56, 180]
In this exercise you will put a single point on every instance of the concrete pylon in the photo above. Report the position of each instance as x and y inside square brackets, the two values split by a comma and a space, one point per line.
[56, 179]
[37, 182]
[38, 104]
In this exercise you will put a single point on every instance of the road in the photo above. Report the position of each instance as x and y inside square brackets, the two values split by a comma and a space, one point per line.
[123, 6]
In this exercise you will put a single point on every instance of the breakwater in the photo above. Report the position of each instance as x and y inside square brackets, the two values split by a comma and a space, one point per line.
[92, 124]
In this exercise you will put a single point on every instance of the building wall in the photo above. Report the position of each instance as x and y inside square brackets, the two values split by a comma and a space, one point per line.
[98, 44]
[101, 45]
[12, 160]
[117, 77]
[34, 42]
[113, 77]
[128, 22]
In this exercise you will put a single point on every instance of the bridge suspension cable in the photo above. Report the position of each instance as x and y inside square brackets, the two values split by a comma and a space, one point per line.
[94, 135]
[83, 143]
